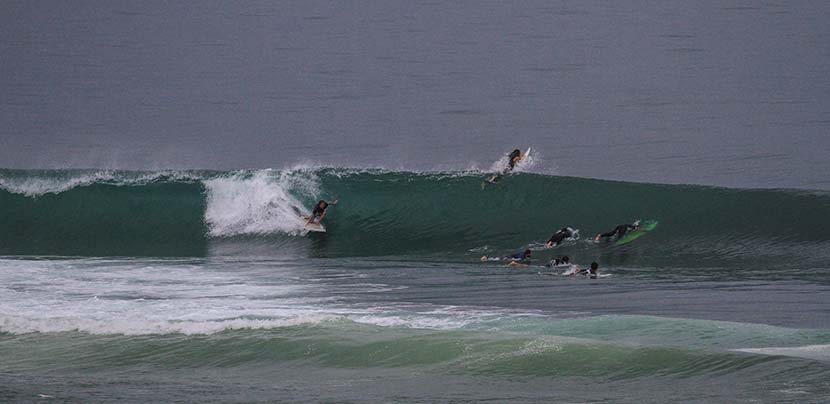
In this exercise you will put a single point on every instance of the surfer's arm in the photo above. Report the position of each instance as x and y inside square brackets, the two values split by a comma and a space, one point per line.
[516, 264]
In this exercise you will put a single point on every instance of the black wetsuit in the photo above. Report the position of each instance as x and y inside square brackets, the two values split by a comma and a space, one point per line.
[511, 159]
[560, 235]
[558, 261]
[619, 231]
[318, 211]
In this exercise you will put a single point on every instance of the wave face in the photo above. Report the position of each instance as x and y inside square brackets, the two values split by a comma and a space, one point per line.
[383, 213]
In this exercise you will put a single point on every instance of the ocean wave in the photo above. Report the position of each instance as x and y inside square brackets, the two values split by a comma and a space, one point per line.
[391, 213]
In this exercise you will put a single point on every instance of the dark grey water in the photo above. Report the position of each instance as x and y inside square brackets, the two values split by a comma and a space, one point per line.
[729, 93]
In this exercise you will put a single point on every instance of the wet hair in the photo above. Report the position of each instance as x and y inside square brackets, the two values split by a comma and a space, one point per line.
[323, 202]
[594, 266]
[517, 151]
[527, 253]
[566, 259]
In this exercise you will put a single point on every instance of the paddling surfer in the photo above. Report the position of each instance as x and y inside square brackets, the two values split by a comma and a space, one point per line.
[619, 231]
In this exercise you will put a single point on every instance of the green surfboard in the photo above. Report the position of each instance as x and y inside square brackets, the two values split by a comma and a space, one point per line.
[642, 231]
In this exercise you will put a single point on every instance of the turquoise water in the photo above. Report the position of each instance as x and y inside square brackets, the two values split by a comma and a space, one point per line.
[202, 286]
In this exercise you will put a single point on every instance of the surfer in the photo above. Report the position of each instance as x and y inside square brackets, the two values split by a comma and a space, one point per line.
[619, 231]
[563, 233]
[519, 259]
[319, 211]
[590, 273]
[514, 157]
[558, 262]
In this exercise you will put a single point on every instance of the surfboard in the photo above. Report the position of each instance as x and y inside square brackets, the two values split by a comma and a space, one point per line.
[315, 227]
[524, 156]
[642, 231]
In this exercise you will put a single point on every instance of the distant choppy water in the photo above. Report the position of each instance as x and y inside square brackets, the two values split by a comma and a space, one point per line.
[202, 286]
[733, 94]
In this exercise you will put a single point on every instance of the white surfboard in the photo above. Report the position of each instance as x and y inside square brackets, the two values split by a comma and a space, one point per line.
[315, 227]
[527, 153]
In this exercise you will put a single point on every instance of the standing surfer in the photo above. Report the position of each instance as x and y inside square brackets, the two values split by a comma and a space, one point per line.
[319, 211]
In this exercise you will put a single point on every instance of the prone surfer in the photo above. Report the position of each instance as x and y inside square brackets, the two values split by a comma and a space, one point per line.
[520, 259]
[319, 211]
[591, 273]
[563, 233]
[619, 231]
[559, 262]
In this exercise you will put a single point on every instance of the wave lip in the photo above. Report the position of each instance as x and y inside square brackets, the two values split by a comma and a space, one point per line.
[39, 183]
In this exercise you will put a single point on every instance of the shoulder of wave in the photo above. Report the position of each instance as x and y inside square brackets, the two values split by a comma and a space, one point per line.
[33, 183]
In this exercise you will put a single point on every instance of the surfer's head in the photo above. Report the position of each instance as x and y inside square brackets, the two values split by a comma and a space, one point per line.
[527, 253]
[322, 204]
[566, 259]
[594, 267]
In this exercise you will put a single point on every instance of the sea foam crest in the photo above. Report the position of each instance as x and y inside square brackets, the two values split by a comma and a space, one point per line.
[36, 185]
[261, 202]
[55, 182]
[144, 326]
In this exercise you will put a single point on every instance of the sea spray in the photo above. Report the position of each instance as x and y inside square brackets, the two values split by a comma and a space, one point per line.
[258, 203]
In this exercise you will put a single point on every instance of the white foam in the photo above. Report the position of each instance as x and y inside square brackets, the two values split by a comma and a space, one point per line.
[150, 297]
[145, 297]
[143, 326]
[262, 202]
